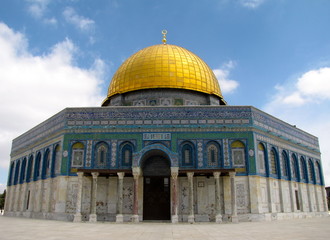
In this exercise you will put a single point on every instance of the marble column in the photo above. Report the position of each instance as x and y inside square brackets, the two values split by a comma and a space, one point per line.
[119, 216]
[136, 176]
[191, 216]
[77, 216]
[174, 181]
[92, 215]
[218, 216]
[234, 217]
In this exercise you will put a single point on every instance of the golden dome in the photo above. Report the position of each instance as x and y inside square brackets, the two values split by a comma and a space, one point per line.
[164, 66]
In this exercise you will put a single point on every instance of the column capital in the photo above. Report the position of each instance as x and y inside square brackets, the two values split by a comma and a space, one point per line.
[80, 174]
[121, 175]
[190, 174]
[174, 172]
[216, 174]
[95, 174]
[232, 174]
[136, 171]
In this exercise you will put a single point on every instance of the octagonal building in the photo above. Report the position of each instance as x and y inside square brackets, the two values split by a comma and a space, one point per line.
[165, 146]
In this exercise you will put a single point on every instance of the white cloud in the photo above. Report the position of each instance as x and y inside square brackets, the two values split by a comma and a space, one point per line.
[305, 103]
[80, 22]
[50, 21]
[227, 85]
[37, 8]
[251, 3]
[312, 87]
[33, 88]
[315, 83]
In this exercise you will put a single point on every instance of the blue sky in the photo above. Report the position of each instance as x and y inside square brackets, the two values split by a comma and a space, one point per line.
[271, 54]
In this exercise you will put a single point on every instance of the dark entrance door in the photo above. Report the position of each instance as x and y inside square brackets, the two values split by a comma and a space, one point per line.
[156, 188]
[156, 198]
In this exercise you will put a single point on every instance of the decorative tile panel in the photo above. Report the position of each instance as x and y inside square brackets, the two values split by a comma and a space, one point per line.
[113, 153]
[226, 153]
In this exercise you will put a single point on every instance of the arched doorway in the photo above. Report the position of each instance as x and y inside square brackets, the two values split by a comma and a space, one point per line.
[156, 189]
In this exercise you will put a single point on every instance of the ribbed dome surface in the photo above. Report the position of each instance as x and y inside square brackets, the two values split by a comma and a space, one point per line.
[164, 66]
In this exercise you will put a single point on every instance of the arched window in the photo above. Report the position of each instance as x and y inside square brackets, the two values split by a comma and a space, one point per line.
[284, 164]
[11, 174]
[303, 169]
[126, 154]
[46, 164]
[213, 154]
[261, 158]
[23, 169]
[294, 167]
[101, 154]
[77, 159]
[37, 166]
[57, 161]
[17, 168]
[238, 154]
[29, 169]
[311, 171]
[273, 162]
[318, 173]
[187, 155]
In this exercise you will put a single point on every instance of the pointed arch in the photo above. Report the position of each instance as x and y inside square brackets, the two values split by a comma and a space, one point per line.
[23, 170]
[285, 164]
[213, 154]
[46, 164]
[273, 155]
[17, 170]
[311, 173]
[294, 167]
[56, 165]
[29, 169]
[187, 156]
[303, 169]
[126, 154]
[261, 158]
[101, 155]
[37, 167]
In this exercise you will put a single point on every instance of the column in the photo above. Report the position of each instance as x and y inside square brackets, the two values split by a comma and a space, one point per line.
[77, 216]
[136, 176]
[41, 191]
[218, 216]
[234, 217]
[92, 215]
[191, 216]
[174, 181]
[316, 198]
[280, 181]
[324, 199]
[302, 205]
[19, 196]
[309, 197]
[119, 216]
[51, 193]
[293, 209]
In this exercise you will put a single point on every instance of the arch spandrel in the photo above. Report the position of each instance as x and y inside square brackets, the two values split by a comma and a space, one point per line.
[138, 157]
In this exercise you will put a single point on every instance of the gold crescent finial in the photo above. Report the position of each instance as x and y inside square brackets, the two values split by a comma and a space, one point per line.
[164, 32]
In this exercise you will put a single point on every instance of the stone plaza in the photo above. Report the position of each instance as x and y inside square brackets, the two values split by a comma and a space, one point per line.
[31, 229]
